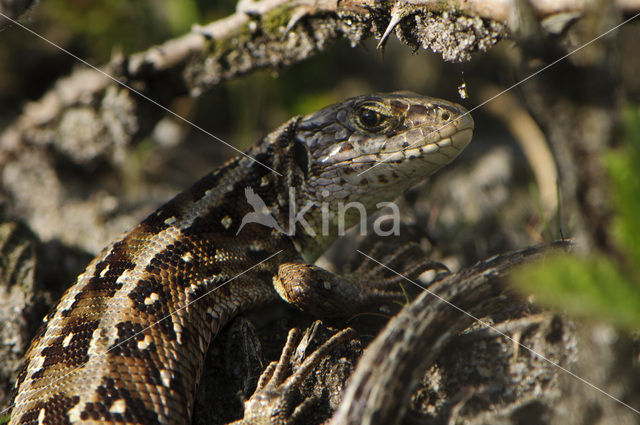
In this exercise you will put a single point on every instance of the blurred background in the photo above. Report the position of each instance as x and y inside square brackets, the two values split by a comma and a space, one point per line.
[557, 156]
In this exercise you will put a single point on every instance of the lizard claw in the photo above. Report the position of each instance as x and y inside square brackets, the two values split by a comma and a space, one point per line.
[273, 402]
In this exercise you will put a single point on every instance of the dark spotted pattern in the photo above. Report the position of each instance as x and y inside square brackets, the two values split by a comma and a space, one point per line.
[200, 188]
[55, 411]
[104, 284]
[160, 220]
[143, 291]
[108, 393]
[75, 352]
[129, 334]
[126, 342]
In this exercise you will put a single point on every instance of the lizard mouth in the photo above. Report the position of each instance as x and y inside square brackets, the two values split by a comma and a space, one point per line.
[444, 150]
[439, 145]
[432, 145]
[383, 146]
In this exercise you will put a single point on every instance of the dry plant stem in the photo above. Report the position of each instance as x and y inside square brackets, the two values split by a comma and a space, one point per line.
[263, 34]
[532, 141]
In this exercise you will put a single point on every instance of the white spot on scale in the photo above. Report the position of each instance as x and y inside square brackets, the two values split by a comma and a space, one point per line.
[153, 297]
[226, 221]
[334, 150]
[118, 406]
[38, 361]
[74, 413]
[67, 340]
[104, 271]
[187, 257]
[264, 181]
[177, 328]
[169, 221]
[165, 376]
[122, 279]
[445, 142]
[431, 147]
[144, 344]
[41, 416]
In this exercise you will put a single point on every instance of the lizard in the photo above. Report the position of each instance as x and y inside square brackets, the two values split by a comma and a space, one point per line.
[126, 341]
[380, 388]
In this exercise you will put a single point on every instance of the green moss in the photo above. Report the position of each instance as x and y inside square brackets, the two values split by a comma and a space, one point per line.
[602, 286]
[276, 19]
[624, 172]
[586, 287]
[241, 36]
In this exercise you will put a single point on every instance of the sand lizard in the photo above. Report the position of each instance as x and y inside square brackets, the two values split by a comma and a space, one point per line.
[125, 343]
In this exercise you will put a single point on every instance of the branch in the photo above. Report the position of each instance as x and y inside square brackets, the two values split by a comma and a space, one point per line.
[87, 118]
[504, 10]
[268, 34]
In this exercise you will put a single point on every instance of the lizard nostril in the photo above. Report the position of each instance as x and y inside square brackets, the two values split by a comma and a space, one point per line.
[445, 116]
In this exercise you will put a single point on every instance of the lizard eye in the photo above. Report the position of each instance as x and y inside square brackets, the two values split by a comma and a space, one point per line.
[370, 119]
[373, 116]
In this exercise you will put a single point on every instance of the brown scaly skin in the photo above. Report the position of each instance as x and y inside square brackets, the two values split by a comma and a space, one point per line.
[126, 342]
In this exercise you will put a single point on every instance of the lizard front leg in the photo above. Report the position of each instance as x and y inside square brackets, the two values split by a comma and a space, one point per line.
[326, 294]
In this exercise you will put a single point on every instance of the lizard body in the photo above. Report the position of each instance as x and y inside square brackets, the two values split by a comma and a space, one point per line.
[126, 342]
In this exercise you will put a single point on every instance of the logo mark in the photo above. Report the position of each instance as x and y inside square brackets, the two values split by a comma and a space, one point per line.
[260, 215]
[330, 221]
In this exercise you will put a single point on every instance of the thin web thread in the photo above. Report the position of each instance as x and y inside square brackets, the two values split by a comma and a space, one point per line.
[151, 325]
[125, 85]
[514, 86]
[531, 350]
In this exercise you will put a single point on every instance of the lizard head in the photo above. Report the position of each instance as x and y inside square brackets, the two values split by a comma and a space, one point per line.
[370, 149]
